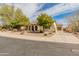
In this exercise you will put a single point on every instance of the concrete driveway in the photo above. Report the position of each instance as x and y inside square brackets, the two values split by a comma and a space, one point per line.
[62, 37]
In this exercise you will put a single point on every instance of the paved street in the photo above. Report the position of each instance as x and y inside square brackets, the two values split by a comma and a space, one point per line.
[16, 47]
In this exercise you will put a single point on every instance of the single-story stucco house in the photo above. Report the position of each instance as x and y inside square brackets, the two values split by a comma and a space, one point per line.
[34, 27]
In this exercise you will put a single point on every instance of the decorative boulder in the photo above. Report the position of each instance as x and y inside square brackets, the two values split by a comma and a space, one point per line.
[23, 28]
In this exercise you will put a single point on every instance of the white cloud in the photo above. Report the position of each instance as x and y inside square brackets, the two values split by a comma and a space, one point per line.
[59, 9]
[29, 8]
[62, 8]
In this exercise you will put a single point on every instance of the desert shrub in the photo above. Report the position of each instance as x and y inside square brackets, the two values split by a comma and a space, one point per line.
[45, 34]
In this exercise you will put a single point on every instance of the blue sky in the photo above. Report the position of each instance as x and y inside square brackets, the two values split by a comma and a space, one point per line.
[58, 11]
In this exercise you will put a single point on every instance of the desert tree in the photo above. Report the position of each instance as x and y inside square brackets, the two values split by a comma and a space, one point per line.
[45, 20]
